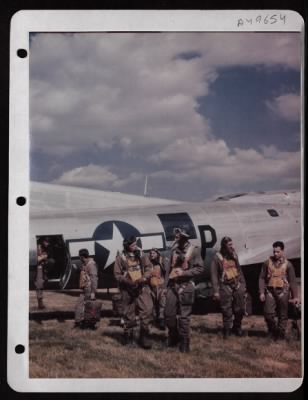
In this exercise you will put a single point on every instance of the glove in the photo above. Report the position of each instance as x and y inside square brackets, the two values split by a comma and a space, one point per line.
[216, 296]
[262, 297]
[128, 282]
[141, 281]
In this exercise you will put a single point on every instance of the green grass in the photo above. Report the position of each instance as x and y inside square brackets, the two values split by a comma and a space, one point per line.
[58, 351]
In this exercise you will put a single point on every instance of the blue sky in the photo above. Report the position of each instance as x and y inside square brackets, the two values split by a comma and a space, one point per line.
[239, 114]
[202, 114]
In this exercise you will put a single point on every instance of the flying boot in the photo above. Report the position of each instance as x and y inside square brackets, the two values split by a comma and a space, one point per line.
[184, 345]
[173, 338]
[237, 328]
[41, 305]
[128, 338]
[226, 332]
[144, 341]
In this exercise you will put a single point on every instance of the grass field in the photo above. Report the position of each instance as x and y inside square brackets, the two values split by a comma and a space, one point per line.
[59, 351]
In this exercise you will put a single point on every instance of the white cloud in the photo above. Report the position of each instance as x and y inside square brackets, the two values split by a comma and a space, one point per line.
[254, 48]
[101, 88]
[262, 170]
[90, 175]
[132, 94]
[193, 151]
[96, 176]
[239, 170]
[286, 106]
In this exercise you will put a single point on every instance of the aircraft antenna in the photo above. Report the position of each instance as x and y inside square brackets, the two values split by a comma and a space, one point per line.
[145, 186]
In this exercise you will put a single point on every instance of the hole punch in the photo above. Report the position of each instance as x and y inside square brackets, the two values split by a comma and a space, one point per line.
[21, 201]
[22, 53]
[19, 349]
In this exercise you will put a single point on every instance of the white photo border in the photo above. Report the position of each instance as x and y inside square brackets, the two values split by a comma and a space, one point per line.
[30, 21]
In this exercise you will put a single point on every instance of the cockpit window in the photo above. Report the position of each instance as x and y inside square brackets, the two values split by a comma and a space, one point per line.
[171, 221]
[273, 213]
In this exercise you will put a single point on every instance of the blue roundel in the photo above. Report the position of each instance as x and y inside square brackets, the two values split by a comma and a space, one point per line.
[104, 231]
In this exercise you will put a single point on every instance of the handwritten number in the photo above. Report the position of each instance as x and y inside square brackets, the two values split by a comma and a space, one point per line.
[273, 18]
[268, 19]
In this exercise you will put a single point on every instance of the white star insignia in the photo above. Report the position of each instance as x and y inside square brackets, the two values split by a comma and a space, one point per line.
[112, 245]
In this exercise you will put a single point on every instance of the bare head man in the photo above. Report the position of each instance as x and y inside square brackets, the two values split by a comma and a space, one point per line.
[278, 250]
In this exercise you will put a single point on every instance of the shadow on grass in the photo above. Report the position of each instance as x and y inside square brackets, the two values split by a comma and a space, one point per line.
[154, 337]
[206, 329]
[76, 293]
[218, 330]
[115, 322]
[61, 316]
[117, 336]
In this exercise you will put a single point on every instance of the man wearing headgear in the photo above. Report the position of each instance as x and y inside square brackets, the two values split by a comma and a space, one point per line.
[43, 261]
[132, 270]
[229, 287]
[185, 264]
[276, 281]
[158, 284]
[88, 284]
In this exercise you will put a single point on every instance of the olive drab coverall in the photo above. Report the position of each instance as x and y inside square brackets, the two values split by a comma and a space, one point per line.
[228, 281]
[158, 285]
[136, 299]
[276, 279]
[180, 291]
[88, 285]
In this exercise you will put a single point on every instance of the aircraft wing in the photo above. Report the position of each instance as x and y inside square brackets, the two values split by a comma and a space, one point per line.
[46, 197]
[280, 197]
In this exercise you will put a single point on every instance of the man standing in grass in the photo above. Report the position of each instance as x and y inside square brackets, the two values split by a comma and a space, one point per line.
[229, 287]
[276, 279]
[185, 264]
[132, 270]
[158, 285]
[43, 262]
[88, 284]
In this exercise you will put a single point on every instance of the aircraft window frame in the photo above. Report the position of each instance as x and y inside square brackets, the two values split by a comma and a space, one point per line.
[170, 221]
[272, 212]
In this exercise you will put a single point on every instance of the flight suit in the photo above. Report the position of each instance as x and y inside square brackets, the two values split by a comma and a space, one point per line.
[88, 284]
[228, 280]
[180, 293]
[132, 272]
[276, 279]
[41, 274]
[159, 288]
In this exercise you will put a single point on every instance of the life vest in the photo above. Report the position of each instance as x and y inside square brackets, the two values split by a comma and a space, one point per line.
[277, 275]
[133, 267]
[182, 262]
[156, 278]
[230, 270]
[84, 279]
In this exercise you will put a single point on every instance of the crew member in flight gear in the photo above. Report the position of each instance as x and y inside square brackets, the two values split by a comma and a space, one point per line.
[88, 284]
[43, 261]
[158, 285]
[132, 270]
[185, 264]
[276, 278]
[229, 287]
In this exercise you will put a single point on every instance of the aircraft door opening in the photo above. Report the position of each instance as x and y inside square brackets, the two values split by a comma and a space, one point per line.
[59, 264]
